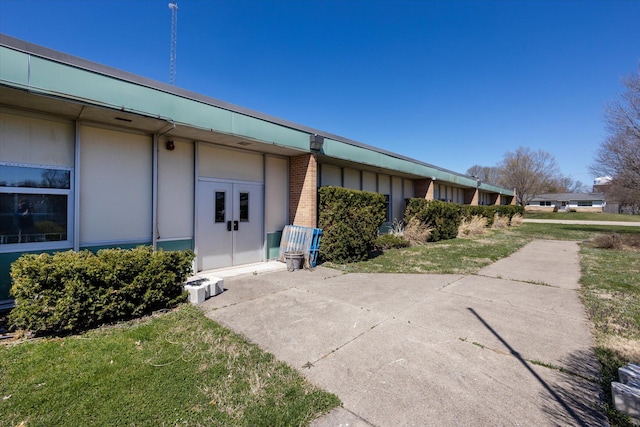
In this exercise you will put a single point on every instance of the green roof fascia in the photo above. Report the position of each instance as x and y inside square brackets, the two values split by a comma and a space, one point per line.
[354, 153]
[490, 188]
[14, 67]
[40, 75]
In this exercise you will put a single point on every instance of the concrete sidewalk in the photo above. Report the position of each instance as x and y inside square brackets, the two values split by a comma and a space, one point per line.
[422, 349]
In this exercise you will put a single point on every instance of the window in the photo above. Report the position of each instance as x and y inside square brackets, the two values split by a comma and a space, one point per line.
[220, 206]
[545, 203]
[387, 203]
[244, 207]
[585, 203]
[35, 204]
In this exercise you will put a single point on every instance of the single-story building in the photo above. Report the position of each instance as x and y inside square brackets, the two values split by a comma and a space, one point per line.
[567, 202]
[94, 157]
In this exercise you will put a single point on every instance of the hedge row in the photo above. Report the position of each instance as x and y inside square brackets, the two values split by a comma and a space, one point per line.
[74, 291]
[444, 218]
[349, 220]
[490, 212]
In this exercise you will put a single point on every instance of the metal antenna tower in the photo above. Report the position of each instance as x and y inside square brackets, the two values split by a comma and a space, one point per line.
[174, 30]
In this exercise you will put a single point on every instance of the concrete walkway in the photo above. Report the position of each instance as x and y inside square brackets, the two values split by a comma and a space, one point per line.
[446, 350]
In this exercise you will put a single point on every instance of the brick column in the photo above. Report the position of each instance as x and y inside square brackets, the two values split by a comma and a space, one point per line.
[303, 190]
[471, 196]
[423, 188]
[496, 199]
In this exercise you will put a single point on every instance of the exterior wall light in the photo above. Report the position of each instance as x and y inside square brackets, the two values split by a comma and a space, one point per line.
[170, 145]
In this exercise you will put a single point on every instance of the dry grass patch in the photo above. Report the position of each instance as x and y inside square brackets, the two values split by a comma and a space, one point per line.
[626, 348]
[475, 226]
[500, 222]
[417, 233]
[629, 242]
[516, 220]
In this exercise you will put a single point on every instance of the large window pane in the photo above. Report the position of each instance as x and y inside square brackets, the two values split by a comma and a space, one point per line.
[26, 218]
[20, 176]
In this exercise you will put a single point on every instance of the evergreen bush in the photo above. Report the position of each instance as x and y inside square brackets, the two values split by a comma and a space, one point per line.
[443, 218]
[509, 210]
[74, 291]
[385, 242]
[349, 220]
[487, 212]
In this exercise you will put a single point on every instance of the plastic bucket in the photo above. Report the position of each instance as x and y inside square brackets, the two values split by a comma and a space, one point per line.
[294, 260]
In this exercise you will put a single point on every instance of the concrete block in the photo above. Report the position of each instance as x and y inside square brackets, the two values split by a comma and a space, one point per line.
[626, 399]
[629, 372]
[217, 285]
[197, 293]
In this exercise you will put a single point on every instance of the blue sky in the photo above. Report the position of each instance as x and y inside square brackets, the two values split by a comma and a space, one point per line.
[452, 83]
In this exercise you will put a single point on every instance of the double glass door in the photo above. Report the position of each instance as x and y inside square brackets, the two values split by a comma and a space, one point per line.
[229, 223]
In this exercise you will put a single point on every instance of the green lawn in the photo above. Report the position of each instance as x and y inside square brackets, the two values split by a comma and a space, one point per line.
[178, 368]
[468, 255]
[583, 216]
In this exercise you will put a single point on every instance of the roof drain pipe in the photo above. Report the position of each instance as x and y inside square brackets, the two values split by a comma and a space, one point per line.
[155, 232]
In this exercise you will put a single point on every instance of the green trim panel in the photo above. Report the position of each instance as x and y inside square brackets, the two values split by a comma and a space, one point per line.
[6, 259]
[273, 244]
[96, 248]
[176, 245]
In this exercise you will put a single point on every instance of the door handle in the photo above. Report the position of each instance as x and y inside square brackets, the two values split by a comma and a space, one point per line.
[235, 225]
[228, 225]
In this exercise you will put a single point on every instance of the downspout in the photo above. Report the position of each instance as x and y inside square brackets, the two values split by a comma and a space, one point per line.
[196, 172]
[76, 190]
[154, 194]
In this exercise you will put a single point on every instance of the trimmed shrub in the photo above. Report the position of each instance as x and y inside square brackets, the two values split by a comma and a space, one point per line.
[509, 210]
[443, 218]
[487, 212]
[74, 291]
[349, 220]
[390, 241]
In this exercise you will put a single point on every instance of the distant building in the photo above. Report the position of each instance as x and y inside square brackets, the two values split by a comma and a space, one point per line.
[567, 202]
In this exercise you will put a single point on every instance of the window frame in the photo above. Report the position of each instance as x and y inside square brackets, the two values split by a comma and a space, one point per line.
[69, 193]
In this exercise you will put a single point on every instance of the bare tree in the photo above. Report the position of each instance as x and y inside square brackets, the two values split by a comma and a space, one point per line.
[627, 200]
[619, 154]
[529, 172]
[488, 174]
[565, 184]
